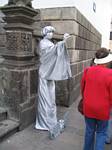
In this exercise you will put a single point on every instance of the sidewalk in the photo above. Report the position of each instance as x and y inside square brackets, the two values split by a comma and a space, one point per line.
[31, 139]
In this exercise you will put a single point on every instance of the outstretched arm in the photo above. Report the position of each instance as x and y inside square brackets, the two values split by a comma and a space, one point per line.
[62, 43]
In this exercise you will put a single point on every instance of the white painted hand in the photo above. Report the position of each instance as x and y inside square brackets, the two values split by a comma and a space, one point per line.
[66, 36]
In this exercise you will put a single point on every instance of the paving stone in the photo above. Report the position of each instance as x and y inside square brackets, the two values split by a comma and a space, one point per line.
[8, 127]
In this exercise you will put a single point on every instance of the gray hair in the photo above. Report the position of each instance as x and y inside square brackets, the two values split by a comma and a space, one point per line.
[47, 29]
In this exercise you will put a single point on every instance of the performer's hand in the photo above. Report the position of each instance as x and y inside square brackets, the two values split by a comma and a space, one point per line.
[66, 36]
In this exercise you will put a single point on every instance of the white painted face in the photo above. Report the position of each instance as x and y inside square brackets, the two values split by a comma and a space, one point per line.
[49, 35]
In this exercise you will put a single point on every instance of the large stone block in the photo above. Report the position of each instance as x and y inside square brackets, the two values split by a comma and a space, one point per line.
[98, 46]
[62, 92]
[83, 20]
[92, 29]
[90, 54]
[71, 42]
[19, 85]
[79, 67]
[74, 69]
[70, 27]
[51, 14]
[78, 78]
[74, 94]
[79, 15]
[92, 37]
[16, 90]
[85, 33]
[88, 34]
[15, 81]
[94, 46]
[2, 40]
[78, 41]
[81, 30]
[27, 117]
[69, 13]
[72, 83]
[89, 26]
[87, 45]
[66, 13]
[98, 40]
[82, 43]
[74, 55]
[82, 54]
[67, 92]
[33, 82]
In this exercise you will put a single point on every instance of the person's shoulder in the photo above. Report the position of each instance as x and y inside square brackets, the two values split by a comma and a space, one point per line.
[44, 43]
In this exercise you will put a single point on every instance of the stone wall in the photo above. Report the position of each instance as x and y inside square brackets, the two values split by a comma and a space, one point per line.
[84, 41]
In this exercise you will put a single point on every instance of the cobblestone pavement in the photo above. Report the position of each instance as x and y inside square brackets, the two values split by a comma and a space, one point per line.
[70, 139]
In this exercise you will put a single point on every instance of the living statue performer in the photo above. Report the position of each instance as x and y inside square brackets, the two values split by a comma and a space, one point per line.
[54, 66]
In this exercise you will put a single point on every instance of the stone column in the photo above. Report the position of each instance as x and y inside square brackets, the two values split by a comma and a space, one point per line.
[20, 66]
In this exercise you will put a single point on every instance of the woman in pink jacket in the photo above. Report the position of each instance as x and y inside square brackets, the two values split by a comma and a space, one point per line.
[97, 99]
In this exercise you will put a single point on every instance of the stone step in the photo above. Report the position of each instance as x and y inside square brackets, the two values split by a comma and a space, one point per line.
[7, 128]
[3, 114]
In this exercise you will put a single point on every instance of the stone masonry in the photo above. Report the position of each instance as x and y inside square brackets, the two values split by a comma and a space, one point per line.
[84, 41]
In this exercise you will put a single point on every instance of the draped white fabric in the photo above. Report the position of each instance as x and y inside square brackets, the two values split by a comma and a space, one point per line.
[55, 65]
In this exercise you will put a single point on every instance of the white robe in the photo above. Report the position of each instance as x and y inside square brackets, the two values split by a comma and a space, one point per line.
[55, 65]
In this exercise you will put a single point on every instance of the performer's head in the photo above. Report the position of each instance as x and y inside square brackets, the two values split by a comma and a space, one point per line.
[47, 32]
